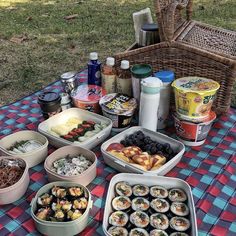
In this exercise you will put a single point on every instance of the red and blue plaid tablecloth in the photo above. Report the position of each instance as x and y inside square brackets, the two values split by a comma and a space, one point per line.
[209, 169]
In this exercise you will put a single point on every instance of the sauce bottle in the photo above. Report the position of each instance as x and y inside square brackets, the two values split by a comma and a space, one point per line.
[109, 76]
[94, 69]
[124, 81]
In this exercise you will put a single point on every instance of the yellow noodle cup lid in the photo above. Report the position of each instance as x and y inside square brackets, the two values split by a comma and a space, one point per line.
[196, 84]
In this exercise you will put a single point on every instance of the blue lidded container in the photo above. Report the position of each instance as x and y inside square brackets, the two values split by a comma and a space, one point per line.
[94, 70]
[166, 76]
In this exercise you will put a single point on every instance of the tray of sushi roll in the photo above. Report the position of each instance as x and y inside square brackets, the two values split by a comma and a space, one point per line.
[61, 208]
[143, 205]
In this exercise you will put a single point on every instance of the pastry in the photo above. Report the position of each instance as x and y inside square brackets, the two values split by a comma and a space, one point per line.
[131, 151]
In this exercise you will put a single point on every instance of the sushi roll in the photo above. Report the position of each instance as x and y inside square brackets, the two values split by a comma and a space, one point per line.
[179, 234]
[179, 208]
[138, 232]
[140, 190]
[118, 231]
[59, 216]
[76, 191]
[158, 232]
[80, 203]
[140, 204]
[159, 221]
[74, 215]
[59, 192]
[160, 205]
[123, 189]
[140, 219]
[45, 199]
[158, 192]
[118, 218]
[179, 223]
[177, 195]
[61, 205]
[43, 213]
[121, 203]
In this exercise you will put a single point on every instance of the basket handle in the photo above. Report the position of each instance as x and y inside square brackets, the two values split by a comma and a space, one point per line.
[168, 13]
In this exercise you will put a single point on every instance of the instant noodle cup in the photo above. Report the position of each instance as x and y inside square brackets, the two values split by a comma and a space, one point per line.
[194, 96]
[87, 97]
[193, 133]
[119, 108]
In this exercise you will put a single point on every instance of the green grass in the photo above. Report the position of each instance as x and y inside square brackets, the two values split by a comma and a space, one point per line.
[56, 45]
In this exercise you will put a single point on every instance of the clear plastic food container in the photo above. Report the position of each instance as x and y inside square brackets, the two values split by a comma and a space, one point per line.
[61, 118]
[149, 180]
[123, 166]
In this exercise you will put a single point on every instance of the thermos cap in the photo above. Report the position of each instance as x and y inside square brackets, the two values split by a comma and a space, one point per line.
[151, 85]
[110, 61]
[166, 76]
[124, 64]
[93, 56]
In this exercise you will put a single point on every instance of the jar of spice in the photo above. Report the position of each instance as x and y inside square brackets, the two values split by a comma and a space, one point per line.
[69, 81]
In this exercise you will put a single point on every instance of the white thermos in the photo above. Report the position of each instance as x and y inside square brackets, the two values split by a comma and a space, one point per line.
[149, 102]
[167, 78]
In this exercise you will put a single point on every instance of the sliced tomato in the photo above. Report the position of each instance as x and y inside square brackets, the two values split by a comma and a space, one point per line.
[91, 122]
[73, 133]
[86, 125]
[67, 136]
[79, 130]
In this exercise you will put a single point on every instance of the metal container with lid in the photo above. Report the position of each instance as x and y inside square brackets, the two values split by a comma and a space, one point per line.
[149, 35]
[50, 103]
[69, 81]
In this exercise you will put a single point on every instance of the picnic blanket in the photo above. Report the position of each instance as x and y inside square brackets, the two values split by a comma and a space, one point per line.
[209, 169]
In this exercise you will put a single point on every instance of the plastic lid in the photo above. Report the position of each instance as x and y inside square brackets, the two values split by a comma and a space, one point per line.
[110, 61]
[46, 97]
[93, 56]
[150, 27]
[124, 64]
[166, 76]
[88, 93]
[152, 82]
[68, 75]
[196, 84]
[141, 71]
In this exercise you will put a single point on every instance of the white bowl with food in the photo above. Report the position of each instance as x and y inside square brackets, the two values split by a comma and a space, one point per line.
[77, 127]
[29, 145]
[71, 163]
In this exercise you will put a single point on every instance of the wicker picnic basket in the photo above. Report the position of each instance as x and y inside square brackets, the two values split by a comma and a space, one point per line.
[173, 26]
[187, 62]
[183, 58]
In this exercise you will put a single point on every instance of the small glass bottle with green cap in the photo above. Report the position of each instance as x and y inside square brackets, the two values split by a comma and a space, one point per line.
[139, 72]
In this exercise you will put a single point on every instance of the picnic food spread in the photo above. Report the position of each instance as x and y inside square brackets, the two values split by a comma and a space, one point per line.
[119, 93]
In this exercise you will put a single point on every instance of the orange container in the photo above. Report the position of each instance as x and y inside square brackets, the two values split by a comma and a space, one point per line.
[87, 97]
[193, 133]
